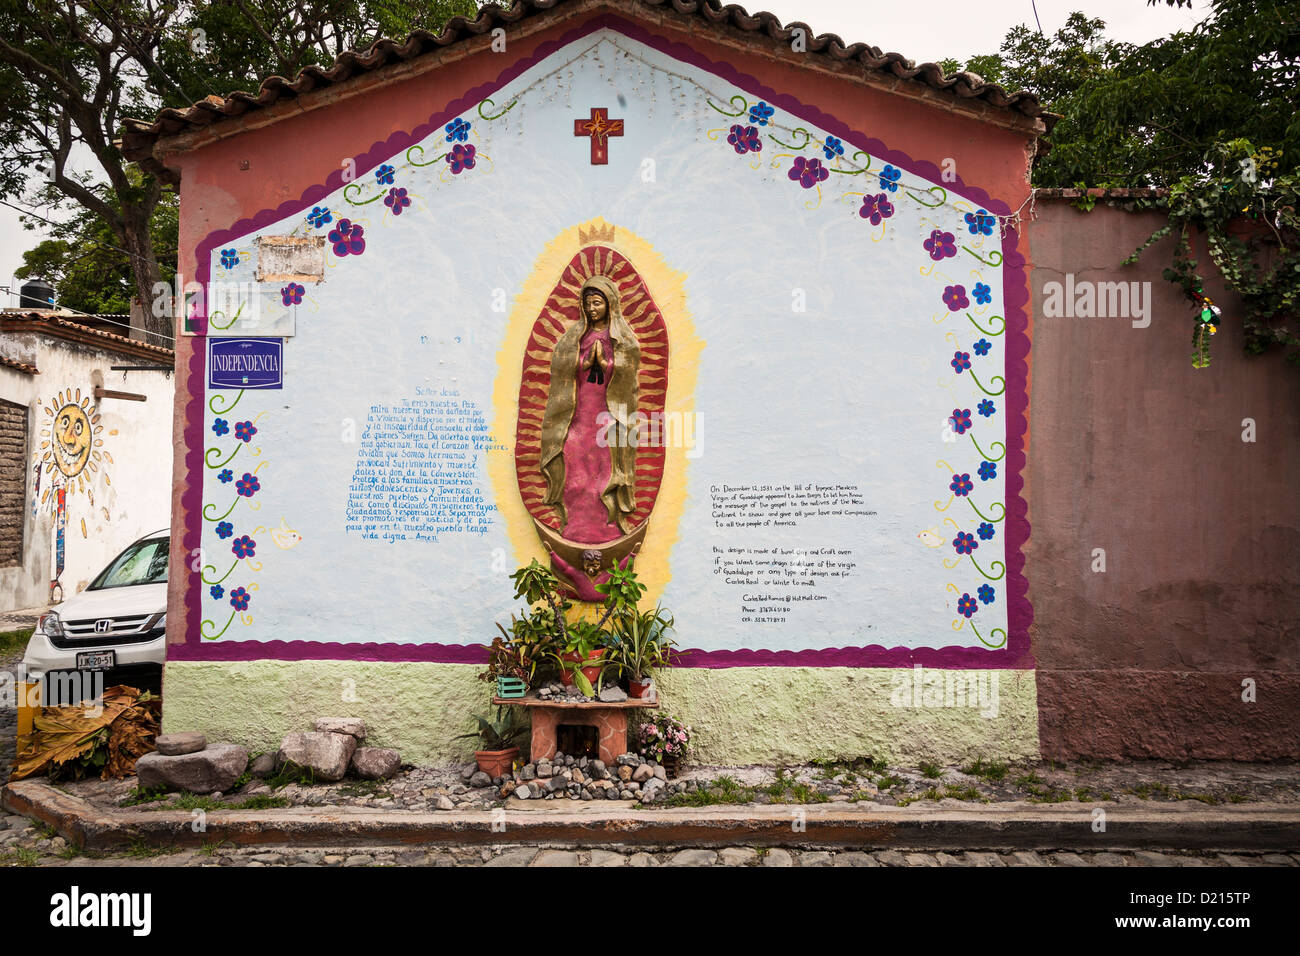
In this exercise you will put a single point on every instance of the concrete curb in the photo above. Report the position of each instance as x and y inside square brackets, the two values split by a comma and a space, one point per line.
[1016, 826]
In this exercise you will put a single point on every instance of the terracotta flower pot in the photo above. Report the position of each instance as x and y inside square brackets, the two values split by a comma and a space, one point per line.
[639, 689]
[591, 673]
[496, 763]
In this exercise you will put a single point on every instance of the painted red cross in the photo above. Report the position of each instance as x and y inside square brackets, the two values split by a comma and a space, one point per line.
[599, 128]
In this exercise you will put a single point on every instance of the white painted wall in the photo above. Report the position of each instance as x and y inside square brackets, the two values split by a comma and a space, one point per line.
[131, 494]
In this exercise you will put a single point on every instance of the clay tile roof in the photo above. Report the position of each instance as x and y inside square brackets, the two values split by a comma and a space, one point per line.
[20, 366]
[65, 327]
[139, 137]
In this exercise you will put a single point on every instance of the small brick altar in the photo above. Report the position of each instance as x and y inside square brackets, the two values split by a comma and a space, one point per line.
[609, 719]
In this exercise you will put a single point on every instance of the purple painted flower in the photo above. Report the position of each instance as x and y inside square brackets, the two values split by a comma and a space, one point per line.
[239, 599]
[217, 591]
[982, 347]
[397, 200]
[220, 427]
[292, 294]
[225, 529]
[961, 485]
[461, 158]
[960, 361]
[745, 139]
[760, 113]
[954, 297]
[983, 294]
[941, 245]
[889, 177]
[986, 594]
[986, 408]
[967, 606]
[985, 531]
[876, 208]
[832, 148]
[226, 476]
[320, 215]
[248, 485]
[245, 431]
[980, 222]
[457, 130]
[230, 258]
[987, 470]
[243, 547]
[346, 238]
[384, 175]
[960, 420]
[964, 543]
[808, 172]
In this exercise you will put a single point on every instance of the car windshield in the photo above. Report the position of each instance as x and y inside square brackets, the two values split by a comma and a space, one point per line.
[145, 562]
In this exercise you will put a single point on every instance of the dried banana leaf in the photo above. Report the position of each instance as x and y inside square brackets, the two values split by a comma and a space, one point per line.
[76, 738]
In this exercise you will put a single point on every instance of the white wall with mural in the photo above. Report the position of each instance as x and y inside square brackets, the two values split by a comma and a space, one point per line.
[821, 349]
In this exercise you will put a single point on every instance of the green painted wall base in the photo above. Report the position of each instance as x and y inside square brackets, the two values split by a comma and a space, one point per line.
[740, 715]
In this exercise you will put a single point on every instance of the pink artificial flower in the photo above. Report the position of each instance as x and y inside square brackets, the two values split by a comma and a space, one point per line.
[668, 747]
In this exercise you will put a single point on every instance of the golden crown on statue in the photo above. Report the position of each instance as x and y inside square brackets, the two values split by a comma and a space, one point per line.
[599, 231]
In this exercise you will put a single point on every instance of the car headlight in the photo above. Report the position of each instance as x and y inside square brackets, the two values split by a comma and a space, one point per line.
[50, 625]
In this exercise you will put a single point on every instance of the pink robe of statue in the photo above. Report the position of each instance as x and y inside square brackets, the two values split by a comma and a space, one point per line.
[586, 464]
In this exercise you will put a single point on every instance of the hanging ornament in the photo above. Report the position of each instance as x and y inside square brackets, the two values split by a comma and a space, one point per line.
[1205, 325]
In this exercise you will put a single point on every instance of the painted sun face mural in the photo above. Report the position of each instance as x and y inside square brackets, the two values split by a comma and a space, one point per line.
[71, 445]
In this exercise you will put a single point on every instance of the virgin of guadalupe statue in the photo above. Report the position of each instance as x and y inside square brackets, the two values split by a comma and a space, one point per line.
[588, 458]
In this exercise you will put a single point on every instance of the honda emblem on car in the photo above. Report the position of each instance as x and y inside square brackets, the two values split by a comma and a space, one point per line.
[103, 624]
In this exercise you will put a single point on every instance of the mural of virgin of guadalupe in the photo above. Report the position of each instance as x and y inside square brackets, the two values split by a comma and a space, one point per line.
[587, 456]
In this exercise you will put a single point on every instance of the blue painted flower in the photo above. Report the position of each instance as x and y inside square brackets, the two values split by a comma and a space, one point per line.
[248, 485]
[889, 177]
[220, 427]
[986, 594]
[960, 361]
[230, 258]
[760, 113]
[967, 606]
[384, 175]
[397, 200]
[457, 130]
[745, 139]
[876, 208]
[986, 408]
[245, 431]
[832, 147]
[960, 420]
[954, 297]
[982, 347]
[808, 172]
[319, 215]
[346, 238]
[961, 485]
[461, 158]
[217, 591]
[980, 222]
[244, 547]
[987, 470]
[225, 529]
[964, 543]
[239, 599]
[941, 245]
[226, 476]
[983, 294]
[985, 531]
[292, 294]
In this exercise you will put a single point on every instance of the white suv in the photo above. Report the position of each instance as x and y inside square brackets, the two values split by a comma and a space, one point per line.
[117, 625]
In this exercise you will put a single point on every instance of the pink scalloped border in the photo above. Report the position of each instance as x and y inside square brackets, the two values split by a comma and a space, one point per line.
[1016, 655]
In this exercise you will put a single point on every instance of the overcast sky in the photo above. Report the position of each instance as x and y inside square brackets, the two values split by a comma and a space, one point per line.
[920, 29]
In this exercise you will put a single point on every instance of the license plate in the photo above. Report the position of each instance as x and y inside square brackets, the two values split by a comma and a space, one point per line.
[97, 660]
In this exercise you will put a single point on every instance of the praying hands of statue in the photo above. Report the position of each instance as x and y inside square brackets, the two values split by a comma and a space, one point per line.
[594, 365]
[584, 587]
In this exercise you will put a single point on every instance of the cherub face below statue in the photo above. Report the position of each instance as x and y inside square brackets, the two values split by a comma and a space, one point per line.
[591, 563]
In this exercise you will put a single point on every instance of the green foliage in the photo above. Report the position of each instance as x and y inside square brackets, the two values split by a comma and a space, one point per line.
[994, 771]
[504, 731]
[14, 643]
[139, 796]
[638, 642]
[292, 773]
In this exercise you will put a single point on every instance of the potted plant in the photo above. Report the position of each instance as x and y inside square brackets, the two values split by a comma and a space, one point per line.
[665, 740]
[581, 649]
[508, 667]
[638, 646]
[500, 739]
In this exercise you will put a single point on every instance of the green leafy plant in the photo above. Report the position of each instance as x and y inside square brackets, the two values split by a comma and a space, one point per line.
[639, 643]
[504, 731]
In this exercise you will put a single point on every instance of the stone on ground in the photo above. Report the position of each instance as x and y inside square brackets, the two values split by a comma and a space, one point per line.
[216, 768]
[352, 726]
[737, 856]
[326, 754]
[176, 745]
[693, 858]
[375, 763]
[777, 857]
